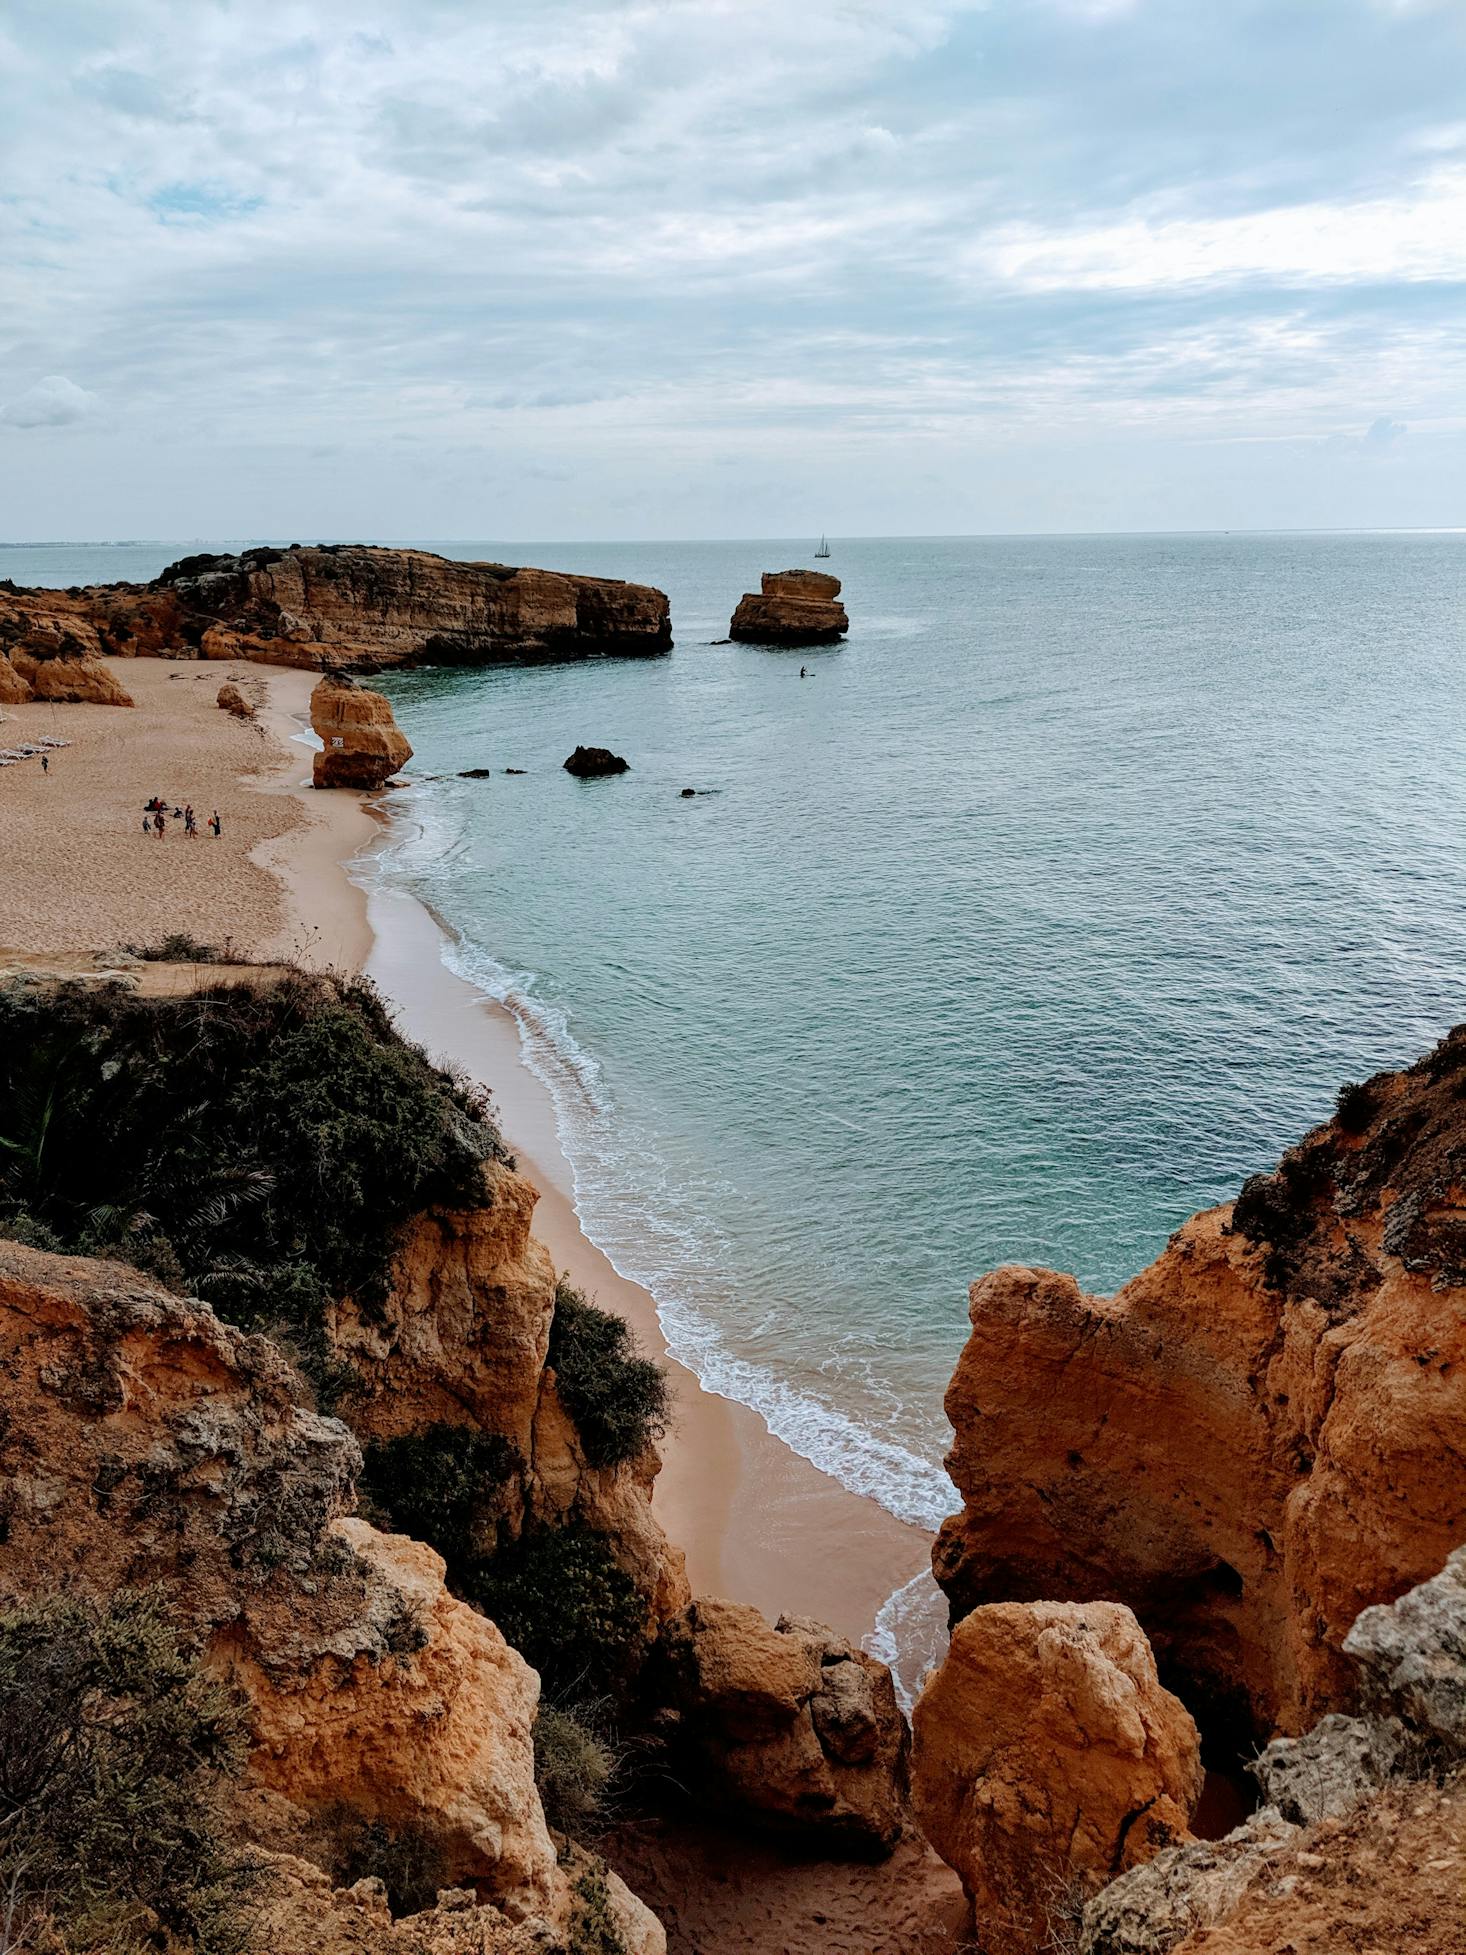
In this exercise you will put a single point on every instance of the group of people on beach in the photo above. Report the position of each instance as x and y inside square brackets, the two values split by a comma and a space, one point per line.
[155, 819]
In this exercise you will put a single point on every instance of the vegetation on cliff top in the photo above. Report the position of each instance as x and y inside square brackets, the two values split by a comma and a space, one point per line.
[257, 1144]
[617, 1398]
[114, 1752]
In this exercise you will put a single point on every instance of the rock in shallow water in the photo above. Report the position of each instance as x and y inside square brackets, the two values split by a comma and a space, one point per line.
[589, 763]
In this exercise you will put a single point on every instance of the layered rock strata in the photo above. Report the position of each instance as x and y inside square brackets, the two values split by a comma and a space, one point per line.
[353, 606]
[790, 1729]
[794, 607]
[1047, 1758]
[363, 745]
[50, 657]
[1255, 1439]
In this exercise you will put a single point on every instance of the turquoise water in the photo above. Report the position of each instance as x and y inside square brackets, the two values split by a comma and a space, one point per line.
[1055, 902]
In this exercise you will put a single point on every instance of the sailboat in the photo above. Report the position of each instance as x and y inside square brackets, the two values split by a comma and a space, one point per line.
[824, 549]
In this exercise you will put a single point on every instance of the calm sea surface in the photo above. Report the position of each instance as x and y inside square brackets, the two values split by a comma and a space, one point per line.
[1053, 903]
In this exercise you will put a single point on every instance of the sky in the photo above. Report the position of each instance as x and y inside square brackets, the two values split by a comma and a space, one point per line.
[569, 269]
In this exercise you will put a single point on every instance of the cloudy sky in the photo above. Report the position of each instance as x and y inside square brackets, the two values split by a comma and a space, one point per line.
[521, 269]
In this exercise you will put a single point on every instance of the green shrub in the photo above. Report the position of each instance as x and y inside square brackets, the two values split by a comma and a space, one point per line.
[409, 1864]
[559, 1596]
[618, 1399]
[114, 1749]
[593, 1928]
[574, 1767]
[178, 947]
[257, 1144]
[437, 1484]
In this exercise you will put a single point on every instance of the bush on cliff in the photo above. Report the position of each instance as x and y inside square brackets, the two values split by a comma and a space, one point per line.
[618, 1399]
[436, 1484]
[564, 1602]
[259, 1144]
[574, 1768]
[114, 1752]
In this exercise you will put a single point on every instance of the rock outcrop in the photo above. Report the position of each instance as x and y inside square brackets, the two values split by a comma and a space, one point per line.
[794, 607]
[1255, 1439]
[789, 1729]
[589, 763]
[231, 700]
[355, 606]
[144, 1442]
[1361, 1840]
[52, 656]
[1047, 1758]
[363, 745]
[461, 1338]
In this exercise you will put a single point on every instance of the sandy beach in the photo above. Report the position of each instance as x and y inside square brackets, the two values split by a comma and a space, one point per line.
[757, 1522]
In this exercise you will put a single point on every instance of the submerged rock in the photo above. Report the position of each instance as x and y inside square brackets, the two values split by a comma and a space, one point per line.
[794, 607]
[588, 763]
[476, 773]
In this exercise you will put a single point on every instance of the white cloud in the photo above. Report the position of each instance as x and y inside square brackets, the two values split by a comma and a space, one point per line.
[54, 402]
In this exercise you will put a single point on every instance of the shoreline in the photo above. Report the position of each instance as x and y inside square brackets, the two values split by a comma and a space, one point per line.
[757, 1522]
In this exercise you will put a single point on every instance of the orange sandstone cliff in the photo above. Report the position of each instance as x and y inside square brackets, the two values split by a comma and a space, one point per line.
[356, 606]
[1255, 1439]
[145, 1443]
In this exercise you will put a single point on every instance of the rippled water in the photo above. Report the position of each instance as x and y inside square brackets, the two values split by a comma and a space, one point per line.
[1058, 900]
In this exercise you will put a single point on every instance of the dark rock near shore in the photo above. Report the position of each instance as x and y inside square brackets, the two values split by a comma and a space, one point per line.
[794, 607]
[688, 793]
[590, 763]
[475, 773]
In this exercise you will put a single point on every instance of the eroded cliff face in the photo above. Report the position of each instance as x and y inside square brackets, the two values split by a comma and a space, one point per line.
[462, 1339]
[1255, 1439]
[146, 1443]
[363, 746]
[54, 655]
[355, 606]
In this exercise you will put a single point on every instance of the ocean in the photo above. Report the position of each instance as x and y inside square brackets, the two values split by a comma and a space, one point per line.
[1051, 905]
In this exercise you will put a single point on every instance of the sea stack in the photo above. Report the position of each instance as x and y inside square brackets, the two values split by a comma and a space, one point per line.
[794, 607]
[363, 743]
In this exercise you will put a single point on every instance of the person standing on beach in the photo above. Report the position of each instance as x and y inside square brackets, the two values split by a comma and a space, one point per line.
[216, 824]
[45, 763]
[158, 824]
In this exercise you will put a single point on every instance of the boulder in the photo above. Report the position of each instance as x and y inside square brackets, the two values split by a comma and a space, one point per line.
[363, 745]
[232, 700]
[589, 763]
[794, 607]
[790, 1729]
[475, 773]
[1257, 1438]
[1047, 1757]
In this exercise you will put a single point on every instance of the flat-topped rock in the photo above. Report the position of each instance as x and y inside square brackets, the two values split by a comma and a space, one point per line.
[355, 606]
[793, 607]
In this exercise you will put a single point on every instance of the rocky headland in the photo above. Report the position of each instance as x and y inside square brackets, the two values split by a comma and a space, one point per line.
[793, 607]
[353, 607]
